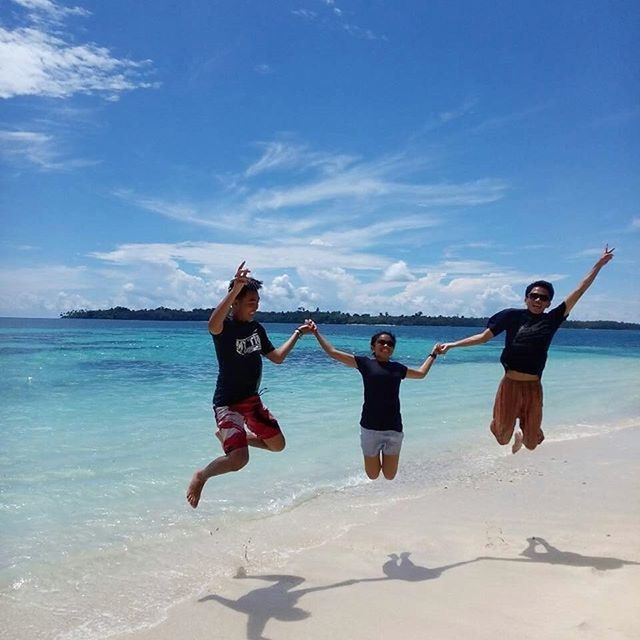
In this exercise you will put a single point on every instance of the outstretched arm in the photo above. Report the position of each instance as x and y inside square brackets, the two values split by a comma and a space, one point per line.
[277, 356]
[216, 319]
[423, 369]
[471, 341]
[574, 296]
[341, 356]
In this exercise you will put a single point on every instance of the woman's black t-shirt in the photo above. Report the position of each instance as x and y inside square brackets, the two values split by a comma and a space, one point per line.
[381, 408]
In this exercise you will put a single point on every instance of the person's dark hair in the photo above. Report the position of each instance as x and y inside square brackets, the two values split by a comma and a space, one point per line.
[540, 283]
[252, 285]
[375, 336]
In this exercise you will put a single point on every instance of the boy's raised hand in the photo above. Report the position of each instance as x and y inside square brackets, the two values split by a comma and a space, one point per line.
[242, 275]
[607, 256]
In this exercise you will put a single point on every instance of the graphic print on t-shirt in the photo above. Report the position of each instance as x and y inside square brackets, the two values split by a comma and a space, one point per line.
[250, 344]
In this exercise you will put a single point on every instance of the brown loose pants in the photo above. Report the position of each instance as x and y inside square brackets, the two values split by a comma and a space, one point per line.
[518, 399]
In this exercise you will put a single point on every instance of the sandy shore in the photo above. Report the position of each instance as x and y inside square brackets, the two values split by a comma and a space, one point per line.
[544, 546]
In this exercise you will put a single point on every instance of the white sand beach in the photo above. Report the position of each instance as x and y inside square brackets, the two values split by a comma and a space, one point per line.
[545, 545]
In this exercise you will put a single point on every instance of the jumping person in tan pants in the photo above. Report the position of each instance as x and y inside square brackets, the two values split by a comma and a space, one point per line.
[529, 333]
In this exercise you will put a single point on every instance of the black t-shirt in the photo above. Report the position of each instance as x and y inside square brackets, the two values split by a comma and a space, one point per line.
[381, 408]
[238, 348]
[528, 337]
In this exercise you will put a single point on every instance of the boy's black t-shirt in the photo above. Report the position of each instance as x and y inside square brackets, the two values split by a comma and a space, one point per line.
[528, 337]
[381, 408]
[239, 349]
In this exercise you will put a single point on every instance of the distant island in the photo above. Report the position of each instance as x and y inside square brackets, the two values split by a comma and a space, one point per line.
[321, 317]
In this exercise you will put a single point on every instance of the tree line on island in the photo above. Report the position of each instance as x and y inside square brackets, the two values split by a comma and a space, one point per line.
[321, 317]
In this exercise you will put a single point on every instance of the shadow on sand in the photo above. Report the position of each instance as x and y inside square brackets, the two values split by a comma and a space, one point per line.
[539, 550]
[279, 600]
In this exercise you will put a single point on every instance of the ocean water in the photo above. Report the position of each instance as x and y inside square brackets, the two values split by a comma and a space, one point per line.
[104, 422]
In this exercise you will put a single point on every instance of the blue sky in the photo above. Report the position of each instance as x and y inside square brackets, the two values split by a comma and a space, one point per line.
[364, 156]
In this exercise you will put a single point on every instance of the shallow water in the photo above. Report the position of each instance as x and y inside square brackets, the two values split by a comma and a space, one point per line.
[103, 423]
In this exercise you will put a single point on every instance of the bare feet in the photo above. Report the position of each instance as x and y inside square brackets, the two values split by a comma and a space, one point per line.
[195, 488]
[517, 442]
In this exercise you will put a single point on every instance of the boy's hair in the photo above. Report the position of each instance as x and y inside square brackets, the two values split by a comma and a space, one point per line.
[540, 283]
[252, 285]
[375, 336]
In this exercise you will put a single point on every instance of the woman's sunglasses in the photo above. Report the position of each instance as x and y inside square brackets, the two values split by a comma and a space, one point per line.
[385, 343]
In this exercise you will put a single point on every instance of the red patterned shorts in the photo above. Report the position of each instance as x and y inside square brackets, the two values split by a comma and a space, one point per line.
[234, 420]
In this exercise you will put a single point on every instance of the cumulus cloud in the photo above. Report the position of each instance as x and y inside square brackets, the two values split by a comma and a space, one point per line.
[188, 276]
[281, 287]
[44, 290]
[282, 294]
[398, 272]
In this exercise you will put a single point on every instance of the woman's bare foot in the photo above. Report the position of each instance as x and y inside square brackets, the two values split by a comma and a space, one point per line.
[517, 442]
[195, 488]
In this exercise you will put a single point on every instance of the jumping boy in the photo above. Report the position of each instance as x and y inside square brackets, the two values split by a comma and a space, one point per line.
[241, 418]
[529, 333]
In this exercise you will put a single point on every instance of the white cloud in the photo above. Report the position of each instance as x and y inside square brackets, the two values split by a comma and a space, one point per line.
[398, 272]
[360, 184]
[458, 112]
[196, 275]
[217, 256]
[304, 13]
[281, 287]
[368, 235]
[341, 199]
[36, 148]
[263, 69]
[49, 11]
[335, 17]
[282, 294]
[499, 122]
[278, 155]
[38, 60]
[635, 223]
[183, 212]
[44, 291]
[360, 32]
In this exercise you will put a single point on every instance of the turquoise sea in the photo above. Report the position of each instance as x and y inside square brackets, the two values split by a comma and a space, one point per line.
[103, 423]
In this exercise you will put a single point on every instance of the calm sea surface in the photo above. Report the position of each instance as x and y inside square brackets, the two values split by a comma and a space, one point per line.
[103, 423]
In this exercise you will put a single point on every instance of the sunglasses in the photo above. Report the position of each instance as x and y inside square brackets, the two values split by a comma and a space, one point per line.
[385, 343]
[543, 297]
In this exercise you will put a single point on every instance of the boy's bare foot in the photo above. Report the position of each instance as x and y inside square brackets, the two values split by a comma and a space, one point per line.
[517, 442]
[195, 489]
